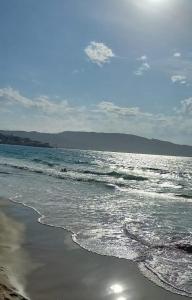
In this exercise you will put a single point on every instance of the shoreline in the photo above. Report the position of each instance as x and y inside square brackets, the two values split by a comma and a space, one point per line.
[61, 269]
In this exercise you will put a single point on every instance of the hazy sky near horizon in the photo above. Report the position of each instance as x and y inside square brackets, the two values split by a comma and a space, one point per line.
[105, 65]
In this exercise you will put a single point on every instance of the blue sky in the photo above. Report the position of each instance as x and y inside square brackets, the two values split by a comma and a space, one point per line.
[105, 65]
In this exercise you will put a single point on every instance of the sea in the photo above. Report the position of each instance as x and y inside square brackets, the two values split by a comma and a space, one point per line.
[132, 206]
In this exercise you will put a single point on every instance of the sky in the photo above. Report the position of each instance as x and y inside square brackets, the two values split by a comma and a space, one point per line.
[106, 66]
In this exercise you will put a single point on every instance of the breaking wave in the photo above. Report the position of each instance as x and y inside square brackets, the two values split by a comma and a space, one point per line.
[81, 175]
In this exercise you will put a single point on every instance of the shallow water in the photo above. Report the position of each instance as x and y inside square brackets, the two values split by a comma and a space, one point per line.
[126, 205]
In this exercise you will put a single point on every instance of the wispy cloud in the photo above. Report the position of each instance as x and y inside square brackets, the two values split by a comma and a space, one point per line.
[110, 108]
[142, 58]
[177, 54]
[144, 66]
[185, 107]
[179, 79]
[179, 70]
[99, 53]
[77, 71]
[175, 125]
[9, 96]
[46, 114]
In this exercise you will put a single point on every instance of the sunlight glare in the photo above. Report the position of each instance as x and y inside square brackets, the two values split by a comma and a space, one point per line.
[121, 298]
[116, 288]
[152, 5]
[156, 1]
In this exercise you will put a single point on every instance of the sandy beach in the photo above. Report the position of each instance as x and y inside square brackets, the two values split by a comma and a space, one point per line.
[14, 262]
[49, 265]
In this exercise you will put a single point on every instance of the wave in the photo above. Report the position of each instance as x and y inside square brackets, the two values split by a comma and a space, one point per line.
[44, 162]
[177, 241]
[116, 174]
[184, 246]
[168, 262]
[5, 173]
[76, 175]
[64, 175]
[186, 196]
[82, 162]
[25, 168]
[157, 170]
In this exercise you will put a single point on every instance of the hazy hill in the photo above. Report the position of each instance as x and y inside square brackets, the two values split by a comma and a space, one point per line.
[106, 141]
[23, 141]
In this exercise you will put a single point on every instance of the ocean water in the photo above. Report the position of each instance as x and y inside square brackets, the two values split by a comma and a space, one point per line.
[132, 206]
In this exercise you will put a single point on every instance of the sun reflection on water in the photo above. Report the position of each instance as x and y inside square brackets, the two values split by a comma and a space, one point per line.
[116, 288]
[121, 298]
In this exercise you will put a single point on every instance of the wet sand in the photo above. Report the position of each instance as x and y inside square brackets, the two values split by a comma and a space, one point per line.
[13, 259]
[64, 271]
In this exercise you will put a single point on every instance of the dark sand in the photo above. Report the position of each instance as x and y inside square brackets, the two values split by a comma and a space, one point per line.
[65, 271]
[14, 261]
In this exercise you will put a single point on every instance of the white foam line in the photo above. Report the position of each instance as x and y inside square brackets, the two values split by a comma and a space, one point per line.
[156, 278]
[146, 271]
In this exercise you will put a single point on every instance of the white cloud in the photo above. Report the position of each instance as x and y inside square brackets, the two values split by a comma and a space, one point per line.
[179, 70]
[186, 107]
[181, 79]
[77, 71]
[144, 67]
[99, 53]
[175, 126]
[142, 58]
[110, 108]
[177, 54]
[9, 96]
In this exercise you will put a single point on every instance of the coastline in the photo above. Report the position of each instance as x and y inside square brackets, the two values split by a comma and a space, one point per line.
[57, 268]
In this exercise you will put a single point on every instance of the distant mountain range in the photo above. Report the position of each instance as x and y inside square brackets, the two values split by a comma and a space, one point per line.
[16, 140]
[116, 142]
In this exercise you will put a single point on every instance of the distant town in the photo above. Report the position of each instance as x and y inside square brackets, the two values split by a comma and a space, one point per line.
[16, 140]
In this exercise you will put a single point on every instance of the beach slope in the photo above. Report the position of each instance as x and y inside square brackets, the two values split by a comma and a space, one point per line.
[66, 271]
